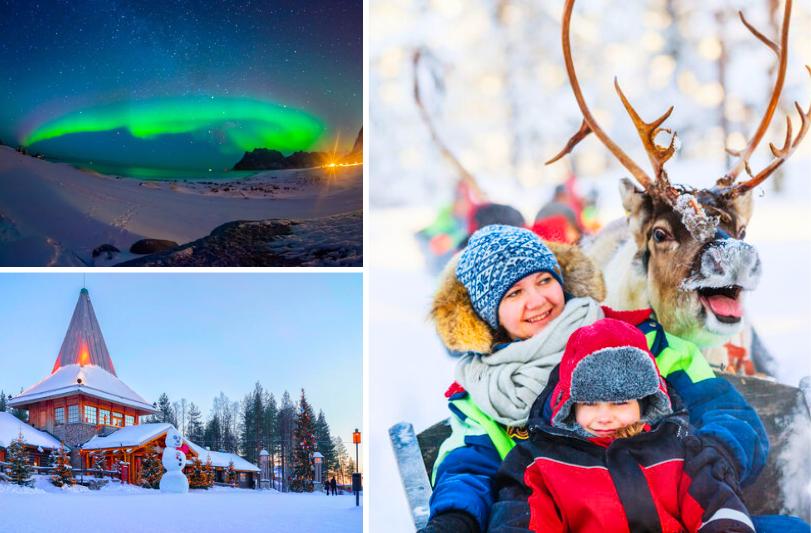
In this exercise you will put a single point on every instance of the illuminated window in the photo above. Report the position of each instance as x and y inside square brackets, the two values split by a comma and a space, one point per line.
[118, 420]
[59, 415]
[129, 420]
[104, 417]
[73, 414]
[89, 414]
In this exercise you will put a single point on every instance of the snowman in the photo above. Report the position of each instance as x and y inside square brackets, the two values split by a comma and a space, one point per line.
[173, 461]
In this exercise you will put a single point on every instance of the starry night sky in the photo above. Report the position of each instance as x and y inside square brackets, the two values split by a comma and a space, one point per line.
[179, 84]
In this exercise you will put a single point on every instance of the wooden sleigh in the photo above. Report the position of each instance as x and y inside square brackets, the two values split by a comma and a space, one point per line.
[783, 409]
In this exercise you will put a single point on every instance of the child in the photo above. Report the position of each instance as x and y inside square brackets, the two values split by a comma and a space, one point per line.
[508, 305]
[607, 453]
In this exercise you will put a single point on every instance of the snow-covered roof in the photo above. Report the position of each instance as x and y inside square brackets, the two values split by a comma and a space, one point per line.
[95, 381]
[132, 436]
[222, 459]
[11, 427]
[84, 344]
[128, 436]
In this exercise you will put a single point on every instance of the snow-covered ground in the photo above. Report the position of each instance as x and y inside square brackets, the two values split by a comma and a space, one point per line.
[129, 509]
[54, 214]
[409, 370]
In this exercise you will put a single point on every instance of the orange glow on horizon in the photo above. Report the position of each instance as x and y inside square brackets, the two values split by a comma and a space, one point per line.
[333, 165]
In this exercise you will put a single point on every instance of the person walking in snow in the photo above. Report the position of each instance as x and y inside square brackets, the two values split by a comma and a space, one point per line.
[605, 427]
[334, 486]
[508, 303]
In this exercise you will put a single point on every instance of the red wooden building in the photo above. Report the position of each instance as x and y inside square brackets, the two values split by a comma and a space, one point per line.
[82, 396]
[84, 404]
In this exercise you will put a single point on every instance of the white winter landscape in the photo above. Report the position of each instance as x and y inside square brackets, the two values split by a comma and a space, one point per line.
[74, 211]
[130, 509]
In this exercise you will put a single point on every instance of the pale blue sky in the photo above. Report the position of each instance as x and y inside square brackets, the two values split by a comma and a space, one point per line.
[193, 335]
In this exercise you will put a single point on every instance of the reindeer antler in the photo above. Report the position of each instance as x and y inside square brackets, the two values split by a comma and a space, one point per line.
[727, 183]
[647, 131]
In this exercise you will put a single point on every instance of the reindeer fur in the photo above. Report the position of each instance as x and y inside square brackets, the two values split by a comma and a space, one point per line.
[665, 284]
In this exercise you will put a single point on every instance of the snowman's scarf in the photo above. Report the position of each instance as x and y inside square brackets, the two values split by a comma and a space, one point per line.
[506, 383]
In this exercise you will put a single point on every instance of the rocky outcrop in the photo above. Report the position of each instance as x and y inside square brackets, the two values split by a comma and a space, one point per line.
[264, 159]
[356, 155]
[330, 241]
[150, 246]
[108, 250]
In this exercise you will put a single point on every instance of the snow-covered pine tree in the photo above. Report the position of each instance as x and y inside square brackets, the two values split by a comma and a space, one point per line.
[151, 470]
[271, 433]
[209, 472]
[286, 424]
[20, 470]
[62, 472]
[301, 479]
[324, 444]
[232, 477]
[167, 412]
[197, 477]
[195, 424]
[341, 458]
[2, 401]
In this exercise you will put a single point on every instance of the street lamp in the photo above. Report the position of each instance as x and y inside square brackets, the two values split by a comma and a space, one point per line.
[356, 441]
[356, 485]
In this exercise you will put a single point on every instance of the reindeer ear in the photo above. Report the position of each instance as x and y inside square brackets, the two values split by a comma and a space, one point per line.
[458, 325]
[631, 196]
[581, 277]
[742, 205]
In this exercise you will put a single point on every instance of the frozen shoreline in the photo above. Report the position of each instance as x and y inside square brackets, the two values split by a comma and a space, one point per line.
[52, 214]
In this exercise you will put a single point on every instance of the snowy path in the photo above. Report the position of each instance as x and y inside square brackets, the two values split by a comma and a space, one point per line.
[134, 510]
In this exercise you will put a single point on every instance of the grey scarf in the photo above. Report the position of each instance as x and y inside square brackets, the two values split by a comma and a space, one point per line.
[506, 383]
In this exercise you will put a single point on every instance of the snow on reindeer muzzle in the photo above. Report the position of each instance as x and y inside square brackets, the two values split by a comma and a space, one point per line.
[725, 268]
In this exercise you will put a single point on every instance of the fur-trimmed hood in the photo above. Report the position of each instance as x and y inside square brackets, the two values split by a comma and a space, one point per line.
[462, 330]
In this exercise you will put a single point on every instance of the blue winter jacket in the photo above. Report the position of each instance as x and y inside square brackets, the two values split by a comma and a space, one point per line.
[469, 459]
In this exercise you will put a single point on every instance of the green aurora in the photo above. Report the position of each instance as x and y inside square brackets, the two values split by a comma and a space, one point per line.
[248, 123]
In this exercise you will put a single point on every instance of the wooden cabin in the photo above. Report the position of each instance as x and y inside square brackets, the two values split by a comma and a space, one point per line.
[84, 404]
[38, 444]
[131, 444]
[82, 396]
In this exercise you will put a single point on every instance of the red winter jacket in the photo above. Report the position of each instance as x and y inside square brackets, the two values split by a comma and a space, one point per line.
[558, 481]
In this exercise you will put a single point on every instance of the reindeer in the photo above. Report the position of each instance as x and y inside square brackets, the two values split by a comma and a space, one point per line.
[681, 250]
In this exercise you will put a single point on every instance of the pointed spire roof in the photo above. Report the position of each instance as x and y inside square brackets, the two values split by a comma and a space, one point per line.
[84, 344]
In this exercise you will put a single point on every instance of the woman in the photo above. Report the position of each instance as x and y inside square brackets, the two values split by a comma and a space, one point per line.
[509, 304]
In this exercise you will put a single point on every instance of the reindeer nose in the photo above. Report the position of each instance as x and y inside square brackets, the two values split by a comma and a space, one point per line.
[731, 262]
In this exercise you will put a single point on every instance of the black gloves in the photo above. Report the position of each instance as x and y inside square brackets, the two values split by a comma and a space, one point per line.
[706, 452]
[452, 522]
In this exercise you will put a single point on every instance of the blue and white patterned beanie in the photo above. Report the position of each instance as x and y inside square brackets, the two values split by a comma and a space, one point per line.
[495, 258]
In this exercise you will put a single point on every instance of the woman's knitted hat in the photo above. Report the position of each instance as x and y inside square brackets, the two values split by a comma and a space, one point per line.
[496, 257]
[608, 361]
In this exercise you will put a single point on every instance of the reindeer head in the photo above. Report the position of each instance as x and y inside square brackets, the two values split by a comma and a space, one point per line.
[689, 241]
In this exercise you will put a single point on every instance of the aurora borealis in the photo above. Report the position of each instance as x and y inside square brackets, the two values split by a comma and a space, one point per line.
[183, 84]
[264, 124]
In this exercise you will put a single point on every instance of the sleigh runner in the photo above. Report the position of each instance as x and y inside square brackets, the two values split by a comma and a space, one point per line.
[784, 410]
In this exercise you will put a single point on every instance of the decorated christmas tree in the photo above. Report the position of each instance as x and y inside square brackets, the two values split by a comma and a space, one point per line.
[151, 470]
[62, 473]
[208, 470]
[301, 480]
[20, 470]
[98, 465]
[232, 477]
[197, 476]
